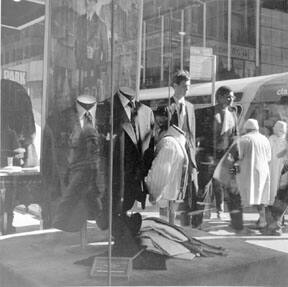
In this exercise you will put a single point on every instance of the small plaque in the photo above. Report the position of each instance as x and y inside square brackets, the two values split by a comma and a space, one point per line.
[120, 266]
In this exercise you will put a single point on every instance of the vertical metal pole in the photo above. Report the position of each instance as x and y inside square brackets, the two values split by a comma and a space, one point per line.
[144, 53]
[214, 69]
[139, 52]
[257, 32]
[182, 40]
[229, 35]
[162, 50]
[204, 24]
[111, 147]
[83, 236]
[170, 203]
[46, 67]
[1, 43]
[170, 61]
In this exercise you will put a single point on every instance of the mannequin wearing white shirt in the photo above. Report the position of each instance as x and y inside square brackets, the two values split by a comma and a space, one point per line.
[61, 140]
[125, 103]
[86, 103]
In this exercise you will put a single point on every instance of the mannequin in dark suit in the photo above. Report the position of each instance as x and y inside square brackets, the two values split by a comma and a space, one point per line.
[183, 115]
[132, 157]
[62, 137]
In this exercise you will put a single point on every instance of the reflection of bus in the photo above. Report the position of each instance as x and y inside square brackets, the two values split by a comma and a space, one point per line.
[264, 98]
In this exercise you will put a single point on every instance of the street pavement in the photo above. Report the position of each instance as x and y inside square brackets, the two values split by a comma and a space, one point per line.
[46, 258]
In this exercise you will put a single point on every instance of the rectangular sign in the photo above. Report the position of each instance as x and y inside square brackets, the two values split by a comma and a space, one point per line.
[14, 75]
[201, 63]
[120, 267]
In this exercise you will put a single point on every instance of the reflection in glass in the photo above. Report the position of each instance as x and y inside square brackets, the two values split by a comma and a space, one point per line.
[22, 49]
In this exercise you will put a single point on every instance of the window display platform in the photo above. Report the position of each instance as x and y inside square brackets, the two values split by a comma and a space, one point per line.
[46, 258]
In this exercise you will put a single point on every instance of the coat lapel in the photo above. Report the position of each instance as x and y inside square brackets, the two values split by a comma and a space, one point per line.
[190, 118]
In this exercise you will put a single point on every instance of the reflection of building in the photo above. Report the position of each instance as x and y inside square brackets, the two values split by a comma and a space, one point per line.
[243, 48]
[170, 28]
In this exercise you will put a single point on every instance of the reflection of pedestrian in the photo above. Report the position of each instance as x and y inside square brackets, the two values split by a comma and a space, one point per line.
[275, 213]
[278, 145]
[63, 32]
[216, 129]
[253, 154]
[92, 46]
[83, 197]
[183, 116]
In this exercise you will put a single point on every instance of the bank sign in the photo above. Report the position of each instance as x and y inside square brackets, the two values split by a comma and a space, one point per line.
[14, 75]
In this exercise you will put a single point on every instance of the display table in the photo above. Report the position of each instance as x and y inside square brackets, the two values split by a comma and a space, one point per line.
[18, 187]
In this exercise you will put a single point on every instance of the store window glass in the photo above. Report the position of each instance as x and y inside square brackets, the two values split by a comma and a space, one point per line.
[22, 67]
[93, 53]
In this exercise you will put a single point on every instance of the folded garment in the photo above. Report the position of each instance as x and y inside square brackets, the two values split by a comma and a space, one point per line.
[166, 230]
[172, 232]
[165, 245]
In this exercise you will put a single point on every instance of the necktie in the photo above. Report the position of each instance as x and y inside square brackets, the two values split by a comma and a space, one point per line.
[132, 106]
[174, 116]
[87, 120]
[181, 115]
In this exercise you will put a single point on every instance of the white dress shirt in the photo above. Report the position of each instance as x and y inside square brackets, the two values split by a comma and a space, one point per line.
[165, 175]
[125, 103]
[81, 112]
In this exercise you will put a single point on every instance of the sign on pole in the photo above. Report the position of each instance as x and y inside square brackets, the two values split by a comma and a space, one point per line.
[201, 63]
[203, 66]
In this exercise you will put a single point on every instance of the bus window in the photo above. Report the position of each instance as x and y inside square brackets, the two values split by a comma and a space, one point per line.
[267, 114]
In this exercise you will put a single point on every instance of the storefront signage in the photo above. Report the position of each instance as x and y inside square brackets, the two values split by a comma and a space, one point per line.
[14, 75]
[239, 52]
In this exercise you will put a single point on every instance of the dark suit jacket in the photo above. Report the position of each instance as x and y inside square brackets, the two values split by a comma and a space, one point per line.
[189, 129]
[189, 126]
[209, 130]
[132, 157]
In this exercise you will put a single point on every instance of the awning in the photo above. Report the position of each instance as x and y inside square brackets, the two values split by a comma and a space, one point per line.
[16, 15]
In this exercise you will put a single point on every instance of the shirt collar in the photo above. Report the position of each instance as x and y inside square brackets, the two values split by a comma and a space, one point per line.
[124, 100]
[181, 101]
[81, 111]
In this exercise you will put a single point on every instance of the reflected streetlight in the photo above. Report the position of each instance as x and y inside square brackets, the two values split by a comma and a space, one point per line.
[204, 20]
[182, 34]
